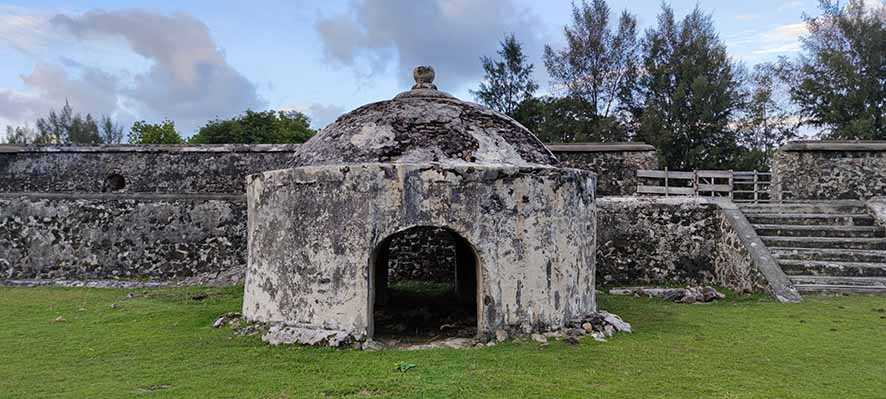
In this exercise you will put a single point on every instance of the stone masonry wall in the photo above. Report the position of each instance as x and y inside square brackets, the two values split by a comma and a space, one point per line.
[109, 236]
[223, 168]
[143, 169]
[830, 170]
[676, 241]
[644, 241]
[422, 254]
[616, 165]
[733, 263]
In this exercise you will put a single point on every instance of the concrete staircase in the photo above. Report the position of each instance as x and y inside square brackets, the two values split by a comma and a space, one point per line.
[828, 246]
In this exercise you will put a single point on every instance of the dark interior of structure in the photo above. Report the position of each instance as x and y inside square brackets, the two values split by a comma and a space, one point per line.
[425, 286]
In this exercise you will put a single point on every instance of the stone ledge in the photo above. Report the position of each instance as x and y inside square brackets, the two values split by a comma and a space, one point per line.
[173, 148]
[127, 196]
[600, 147]
[815, 145]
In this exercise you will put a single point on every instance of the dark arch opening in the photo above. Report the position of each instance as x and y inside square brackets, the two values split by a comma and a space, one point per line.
[423, 286]
[115, 182]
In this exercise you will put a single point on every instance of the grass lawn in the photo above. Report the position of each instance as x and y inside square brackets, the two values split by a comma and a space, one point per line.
[161, 344]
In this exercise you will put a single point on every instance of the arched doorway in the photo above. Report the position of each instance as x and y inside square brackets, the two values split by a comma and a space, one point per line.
[423, 286]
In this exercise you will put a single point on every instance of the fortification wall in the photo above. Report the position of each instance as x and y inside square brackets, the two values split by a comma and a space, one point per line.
[170, 220]
[671, 241]
[615, 164]
[654, 241]
[137, 169]
[124, 236]
[223, 168]
[830, 170]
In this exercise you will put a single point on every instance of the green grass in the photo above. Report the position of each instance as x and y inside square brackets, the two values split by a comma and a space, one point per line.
[160, 344]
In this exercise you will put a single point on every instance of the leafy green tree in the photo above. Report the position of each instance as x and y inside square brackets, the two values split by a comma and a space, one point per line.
[842, 73]
[767, 120]
[597, 69]
[150, 133]
[508, 81]
[266, 127]
[689, 94]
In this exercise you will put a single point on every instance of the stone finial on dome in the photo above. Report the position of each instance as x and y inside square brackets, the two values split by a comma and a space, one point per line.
[424, 77]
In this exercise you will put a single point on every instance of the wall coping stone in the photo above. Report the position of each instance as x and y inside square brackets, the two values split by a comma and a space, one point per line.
[12, 148]
[835, 145]
[148, 148]
[127, 196]
[600, 147]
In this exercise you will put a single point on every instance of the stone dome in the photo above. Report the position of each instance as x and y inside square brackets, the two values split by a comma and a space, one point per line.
[424, 125]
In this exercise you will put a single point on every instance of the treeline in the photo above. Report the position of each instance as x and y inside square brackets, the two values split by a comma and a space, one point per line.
[675, 87]
[252, 127]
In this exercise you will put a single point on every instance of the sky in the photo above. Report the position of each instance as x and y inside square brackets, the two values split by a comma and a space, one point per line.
[193, 61]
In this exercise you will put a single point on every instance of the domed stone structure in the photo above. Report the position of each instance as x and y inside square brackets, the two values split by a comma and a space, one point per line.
[320, 233]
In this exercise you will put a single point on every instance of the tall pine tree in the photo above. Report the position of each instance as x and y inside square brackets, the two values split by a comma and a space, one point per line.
[842, 72]
[508, 81]
[595, 70]
[688, 94]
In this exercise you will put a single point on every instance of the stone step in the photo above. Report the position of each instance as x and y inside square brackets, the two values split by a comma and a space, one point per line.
[839, 289]
[852, 207]
[816, 219]
[828, 254]
[825, 242]
[796, 230]
[839, 280]
[832, 268]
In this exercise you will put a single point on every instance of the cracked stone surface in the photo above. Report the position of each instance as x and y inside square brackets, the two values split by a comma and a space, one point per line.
[424, 125]
[829, 175]
[535, 254]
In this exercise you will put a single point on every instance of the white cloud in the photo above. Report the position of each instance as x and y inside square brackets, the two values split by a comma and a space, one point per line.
[187, 79]
[450, 35]
[320, 114]
[23, 30]
[781, 39]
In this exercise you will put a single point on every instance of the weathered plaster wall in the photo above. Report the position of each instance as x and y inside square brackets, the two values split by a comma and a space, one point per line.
[532, 230]
[826, 170]
[109, 236]
[656, 241]
[615, 164]
[150, 168]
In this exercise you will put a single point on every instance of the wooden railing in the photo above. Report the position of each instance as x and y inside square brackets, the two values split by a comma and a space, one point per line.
[739, 186]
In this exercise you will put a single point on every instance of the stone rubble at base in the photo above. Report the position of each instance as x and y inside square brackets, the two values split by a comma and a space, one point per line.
[681, 295]
[600, 325]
